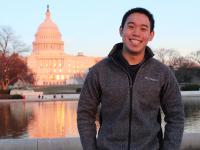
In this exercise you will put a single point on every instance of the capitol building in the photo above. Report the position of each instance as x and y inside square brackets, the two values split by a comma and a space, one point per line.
[48, 61]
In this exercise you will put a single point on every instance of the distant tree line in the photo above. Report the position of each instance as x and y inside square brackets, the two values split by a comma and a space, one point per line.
[186, 69]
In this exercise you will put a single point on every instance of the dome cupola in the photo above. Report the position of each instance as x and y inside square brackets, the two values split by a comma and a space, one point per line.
[48, 36]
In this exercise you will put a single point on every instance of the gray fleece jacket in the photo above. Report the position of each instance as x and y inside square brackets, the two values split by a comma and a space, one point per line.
[129, 109]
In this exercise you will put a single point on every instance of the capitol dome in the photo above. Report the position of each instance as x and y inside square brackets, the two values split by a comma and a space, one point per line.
[48, 36]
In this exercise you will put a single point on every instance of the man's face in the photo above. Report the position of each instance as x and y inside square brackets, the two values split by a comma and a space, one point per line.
[136, 33]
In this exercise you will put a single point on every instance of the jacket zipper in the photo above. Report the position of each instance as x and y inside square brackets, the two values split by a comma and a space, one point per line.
[131, 101]
[130, 116]
[131, 84]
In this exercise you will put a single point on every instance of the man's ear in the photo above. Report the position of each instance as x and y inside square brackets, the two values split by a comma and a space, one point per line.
[151, 35]
[120, 31]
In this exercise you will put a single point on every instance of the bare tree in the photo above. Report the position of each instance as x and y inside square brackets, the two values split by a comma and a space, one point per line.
[173, 56]
[195, 56]
[167, 56]
[16, 68]
[12, 66]
[161, 54]
[187, 70]
[9, 42]
[184, 62]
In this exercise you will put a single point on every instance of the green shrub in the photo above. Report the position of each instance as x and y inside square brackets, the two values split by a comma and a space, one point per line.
[190, 87]
[17, 96]
[78, 90]
[4, 91]
[5, 96]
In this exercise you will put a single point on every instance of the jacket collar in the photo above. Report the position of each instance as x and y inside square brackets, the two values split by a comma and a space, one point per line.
[117, 48]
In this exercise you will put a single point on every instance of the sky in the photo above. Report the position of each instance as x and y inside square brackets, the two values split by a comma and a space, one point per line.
[92, 27]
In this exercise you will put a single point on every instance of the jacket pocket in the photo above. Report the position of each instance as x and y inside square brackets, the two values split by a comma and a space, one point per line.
[114, 97]
[148, 86]
[147, 94]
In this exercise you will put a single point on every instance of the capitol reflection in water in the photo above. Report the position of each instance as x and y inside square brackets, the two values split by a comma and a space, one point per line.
[38, 119]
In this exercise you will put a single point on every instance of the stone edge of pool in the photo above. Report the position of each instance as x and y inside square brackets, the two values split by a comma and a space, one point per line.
[190, 141]
[185, 98]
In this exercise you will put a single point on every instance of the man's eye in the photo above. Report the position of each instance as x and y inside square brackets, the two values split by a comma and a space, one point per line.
[130, 27]
[143, 29]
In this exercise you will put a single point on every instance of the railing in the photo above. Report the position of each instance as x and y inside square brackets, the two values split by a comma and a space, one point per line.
[191, 141]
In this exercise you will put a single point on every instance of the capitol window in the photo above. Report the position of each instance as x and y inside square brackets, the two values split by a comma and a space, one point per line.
[57, 77]
[62, 77]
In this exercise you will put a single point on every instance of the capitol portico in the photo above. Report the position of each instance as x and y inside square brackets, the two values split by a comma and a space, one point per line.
[49, 62]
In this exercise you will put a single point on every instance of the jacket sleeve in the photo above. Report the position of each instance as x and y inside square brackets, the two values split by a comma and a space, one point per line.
[87, 108]
[173, 109]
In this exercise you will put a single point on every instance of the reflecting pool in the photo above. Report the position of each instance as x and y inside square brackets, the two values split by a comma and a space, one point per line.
[58, 119]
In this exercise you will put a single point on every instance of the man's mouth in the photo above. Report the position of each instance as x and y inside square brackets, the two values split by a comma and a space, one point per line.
[135, 41]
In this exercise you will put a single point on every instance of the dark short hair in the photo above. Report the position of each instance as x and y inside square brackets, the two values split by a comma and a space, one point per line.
[138, 10]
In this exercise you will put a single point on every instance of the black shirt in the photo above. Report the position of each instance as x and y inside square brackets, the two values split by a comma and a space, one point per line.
[132, 69]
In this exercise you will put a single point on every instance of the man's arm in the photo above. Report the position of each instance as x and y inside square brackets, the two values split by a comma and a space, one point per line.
[87, 108]
[173, 109]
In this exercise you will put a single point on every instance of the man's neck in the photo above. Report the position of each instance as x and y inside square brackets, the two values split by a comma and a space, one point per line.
[133, 59]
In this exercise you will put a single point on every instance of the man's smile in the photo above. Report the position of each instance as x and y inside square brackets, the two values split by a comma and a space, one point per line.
[135, 41]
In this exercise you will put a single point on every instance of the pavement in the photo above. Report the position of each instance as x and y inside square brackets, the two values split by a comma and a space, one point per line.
[190, 142]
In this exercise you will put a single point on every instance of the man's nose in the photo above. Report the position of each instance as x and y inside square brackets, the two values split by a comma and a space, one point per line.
[136, 32]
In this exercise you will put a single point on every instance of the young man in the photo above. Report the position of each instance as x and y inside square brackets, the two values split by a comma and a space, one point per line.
[131, 87]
